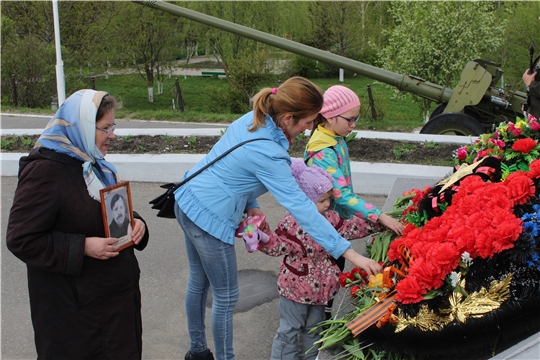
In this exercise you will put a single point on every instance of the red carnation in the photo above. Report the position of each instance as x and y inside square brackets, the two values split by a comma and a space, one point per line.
[534, 172]
[524, 145]
[358, 274]
[343, 279]
[408, 291]
[520, 187]
[354, 289]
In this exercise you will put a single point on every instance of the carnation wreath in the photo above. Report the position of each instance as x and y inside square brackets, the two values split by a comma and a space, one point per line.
[464, 279]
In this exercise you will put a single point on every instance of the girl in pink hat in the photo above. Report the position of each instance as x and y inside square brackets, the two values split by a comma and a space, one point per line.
[327, 149]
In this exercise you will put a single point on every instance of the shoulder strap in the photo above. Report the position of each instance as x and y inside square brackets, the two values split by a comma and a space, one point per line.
[216, 159]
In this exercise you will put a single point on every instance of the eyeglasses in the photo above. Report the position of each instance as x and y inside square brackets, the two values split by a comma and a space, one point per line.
[352, 121]
[109, 131]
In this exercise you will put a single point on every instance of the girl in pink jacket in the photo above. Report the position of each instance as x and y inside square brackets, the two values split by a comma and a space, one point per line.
[308, 276]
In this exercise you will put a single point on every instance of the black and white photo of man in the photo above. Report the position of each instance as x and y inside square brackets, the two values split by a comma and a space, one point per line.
[121, 222]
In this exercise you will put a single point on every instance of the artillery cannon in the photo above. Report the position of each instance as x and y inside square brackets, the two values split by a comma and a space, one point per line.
[473, 107]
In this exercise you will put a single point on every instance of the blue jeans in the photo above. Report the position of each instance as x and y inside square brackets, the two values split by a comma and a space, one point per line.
[212, 263]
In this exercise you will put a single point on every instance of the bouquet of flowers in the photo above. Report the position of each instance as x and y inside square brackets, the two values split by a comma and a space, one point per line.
[464, 279]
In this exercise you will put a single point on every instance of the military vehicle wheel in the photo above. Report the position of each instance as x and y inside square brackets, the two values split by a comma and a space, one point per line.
[453, 124]
[438, 110]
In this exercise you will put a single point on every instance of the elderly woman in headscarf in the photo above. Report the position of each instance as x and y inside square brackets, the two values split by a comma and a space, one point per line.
[85, 299]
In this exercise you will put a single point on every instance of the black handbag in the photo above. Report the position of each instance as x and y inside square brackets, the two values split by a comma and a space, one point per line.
[164, 203]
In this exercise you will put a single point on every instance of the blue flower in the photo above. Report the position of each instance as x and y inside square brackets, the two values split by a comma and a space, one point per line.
[527, 217]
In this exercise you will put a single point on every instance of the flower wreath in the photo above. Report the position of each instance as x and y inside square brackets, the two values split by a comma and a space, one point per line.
[470, 285]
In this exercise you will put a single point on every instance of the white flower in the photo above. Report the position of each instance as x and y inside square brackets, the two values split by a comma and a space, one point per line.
[466, 258]
[454, 278]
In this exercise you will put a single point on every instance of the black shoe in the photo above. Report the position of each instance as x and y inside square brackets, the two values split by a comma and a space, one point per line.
[328, 315]
[192, 356]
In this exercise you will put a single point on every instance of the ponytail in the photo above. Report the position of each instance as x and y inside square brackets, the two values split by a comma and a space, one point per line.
[296, 96]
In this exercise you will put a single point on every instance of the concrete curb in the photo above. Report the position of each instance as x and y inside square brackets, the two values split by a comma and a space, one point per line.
[368, 178]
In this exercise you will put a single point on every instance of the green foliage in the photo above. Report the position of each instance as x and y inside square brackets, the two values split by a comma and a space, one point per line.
[27, 141]
[430, 144]
[401, 150]
[5, 144]
[301, 136]
[192, 142]
[417, 218]
[200, 94]
[350, 137]
[32, 63]
[246, 75]
[379, 247]
[522, 29]
[148, 42]
[248, 63]
[308, 68]
[464, 31]
[348, 28]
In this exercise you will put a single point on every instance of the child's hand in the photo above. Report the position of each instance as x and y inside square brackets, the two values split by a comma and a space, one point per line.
[391, 223]
[370, 266]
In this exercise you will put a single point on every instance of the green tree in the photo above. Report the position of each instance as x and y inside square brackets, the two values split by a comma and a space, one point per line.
[31, 62]
[148, 39]
[349, 28]
[434, 40]
[87, 34]
[249, 64]
[27, 25]
[522, 29]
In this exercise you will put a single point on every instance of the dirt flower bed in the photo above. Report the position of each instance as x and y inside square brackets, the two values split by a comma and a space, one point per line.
[367, 150]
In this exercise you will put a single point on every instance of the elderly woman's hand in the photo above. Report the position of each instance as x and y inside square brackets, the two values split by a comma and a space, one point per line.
[100, 248]
[138, 231]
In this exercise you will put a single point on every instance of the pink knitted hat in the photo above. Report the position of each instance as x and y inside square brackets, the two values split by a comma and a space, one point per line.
[314, 181]
[338, 100]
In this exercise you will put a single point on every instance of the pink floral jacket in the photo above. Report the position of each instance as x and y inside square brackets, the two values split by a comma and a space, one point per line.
[308, 274]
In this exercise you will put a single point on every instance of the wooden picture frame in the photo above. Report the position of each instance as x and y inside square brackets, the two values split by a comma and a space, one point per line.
[117, 210]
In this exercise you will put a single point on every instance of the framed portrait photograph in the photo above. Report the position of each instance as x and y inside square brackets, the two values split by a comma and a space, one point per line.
[117, 212]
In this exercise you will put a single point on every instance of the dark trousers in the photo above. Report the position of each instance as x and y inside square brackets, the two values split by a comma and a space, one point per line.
[328, 309]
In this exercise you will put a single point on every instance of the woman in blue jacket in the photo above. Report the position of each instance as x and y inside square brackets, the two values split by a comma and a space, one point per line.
[210, 207]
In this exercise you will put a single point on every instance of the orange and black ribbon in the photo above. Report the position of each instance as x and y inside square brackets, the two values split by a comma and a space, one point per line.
[382, 312]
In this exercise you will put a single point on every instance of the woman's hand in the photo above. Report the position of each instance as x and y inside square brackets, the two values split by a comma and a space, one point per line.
[138, 231]
[101, 248]
[391, 223]
[369, 265]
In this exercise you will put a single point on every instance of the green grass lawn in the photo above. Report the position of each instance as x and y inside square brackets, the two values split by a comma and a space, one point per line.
[395, 114]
